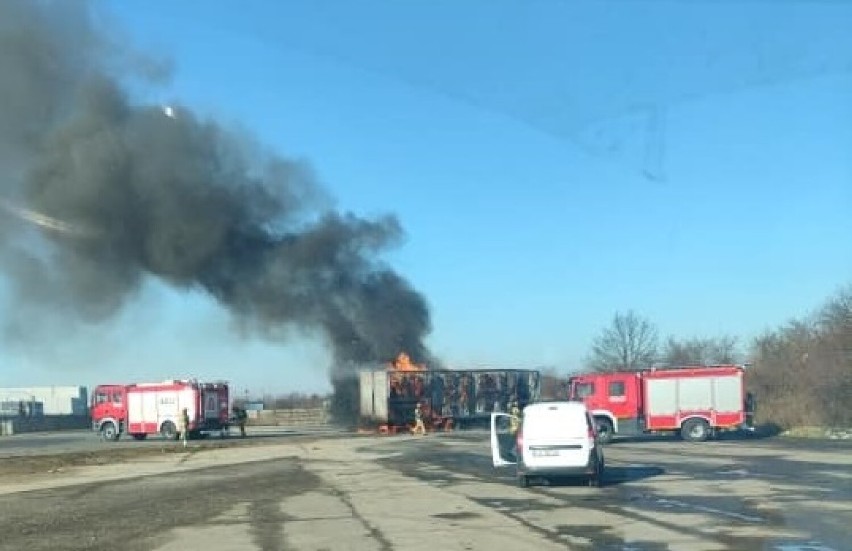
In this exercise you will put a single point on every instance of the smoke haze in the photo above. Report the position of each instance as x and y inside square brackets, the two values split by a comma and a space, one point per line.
[118, 191]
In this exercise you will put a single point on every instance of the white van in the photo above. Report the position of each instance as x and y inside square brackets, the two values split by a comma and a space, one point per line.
[553, 439]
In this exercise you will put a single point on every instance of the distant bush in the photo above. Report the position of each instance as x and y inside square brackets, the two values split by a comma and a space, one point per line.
[802, 373]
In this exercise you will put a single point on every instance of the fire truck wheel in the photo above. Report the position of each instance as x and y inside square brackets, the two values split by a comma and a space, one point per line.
[108, 431]
[695, 430]
[605, 430]
[169, 431]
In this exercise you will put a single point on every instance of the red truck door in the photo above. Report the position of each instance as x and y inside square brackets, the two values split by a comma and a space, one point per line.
[100, 405]
[109, 410]
[621, 395]
[613, 399]
[617, 404]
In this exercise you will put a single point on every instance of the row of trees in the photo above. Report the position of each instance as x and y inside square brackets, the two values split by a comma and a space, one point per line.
[632, 342]
[800, 373]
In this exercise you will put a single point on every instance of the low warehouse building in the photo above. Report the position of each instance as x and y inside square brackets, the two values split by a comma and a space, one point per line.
[29, 409]
[56, 400]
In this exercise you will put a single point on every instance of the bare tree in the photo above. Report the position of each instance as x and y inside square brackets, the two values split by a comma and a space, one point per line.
[700, 351]
[629, 343]
[835, 317]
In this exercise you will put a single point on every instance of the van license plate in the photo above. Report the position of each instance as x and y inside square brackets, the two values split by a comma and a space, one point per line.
[545, 453]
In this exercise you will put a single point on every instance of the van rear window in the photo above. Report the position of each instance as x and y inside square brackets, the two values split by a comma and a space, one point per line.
[554, 424]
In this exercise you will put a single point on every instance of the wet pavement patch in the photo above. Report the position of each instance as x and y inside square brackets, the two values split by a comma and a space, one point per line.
[622, 474]
[517, 505]
[790, 545]
[461, 515]
[601, 538]
[714, 506]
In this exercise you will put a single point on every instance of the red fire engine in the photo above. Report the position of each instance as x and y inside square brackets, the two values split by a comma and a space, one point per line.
[154, 408]
[696, 401]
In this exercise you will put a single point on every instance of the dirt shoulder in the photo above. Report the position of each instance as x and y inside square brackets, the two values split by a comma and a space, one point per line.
[830, 433]
[11, 468]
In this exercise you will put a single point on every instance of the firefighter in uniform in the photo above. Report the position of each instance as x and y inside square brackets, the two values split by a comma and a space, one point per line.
[184, 426]
[419, 427]
[515, 420]
[240, 417]
[514, 423]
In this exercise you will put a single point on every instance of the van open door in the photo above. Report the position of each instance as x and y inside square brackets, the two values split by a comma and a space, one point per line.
[503, 440]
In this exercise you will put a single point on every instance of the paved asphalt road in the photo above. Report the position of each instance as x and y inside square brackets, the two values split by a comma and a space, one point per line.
[441, 492]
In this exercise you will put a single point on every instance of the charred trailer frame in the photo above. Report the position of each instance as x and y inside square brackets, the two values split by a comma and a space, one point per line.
[464, 397]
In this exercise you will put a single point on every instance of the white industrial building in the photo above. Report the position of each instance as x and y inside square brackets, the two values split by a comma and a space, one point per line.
[47, 400]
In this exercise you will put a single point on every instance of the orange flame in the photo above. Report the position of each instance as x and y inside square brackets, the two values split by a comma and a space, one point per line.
[404, 363]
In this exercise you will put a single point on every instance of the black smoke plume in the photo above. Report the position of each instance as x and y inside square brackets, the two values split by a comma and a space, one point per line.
[123, 191]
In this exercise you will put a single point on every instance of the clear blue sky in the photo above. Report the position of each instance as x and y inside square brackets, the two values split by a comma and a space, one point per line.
[551, 161]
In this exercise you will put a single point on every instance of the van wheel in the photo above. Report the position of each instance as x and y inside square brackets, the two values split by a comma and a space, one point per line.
[523, 481]
[605, 430]
[168, 431]
[595, 478]
[695, 430]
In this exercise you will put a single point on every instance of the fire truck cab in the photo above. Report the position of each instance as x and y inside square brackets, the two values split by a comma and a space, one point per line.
[143, 409]
[695, 402]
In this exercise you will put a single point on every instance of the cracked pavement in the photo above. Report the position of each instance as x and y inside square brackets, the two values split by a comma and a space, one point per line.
[438, 492]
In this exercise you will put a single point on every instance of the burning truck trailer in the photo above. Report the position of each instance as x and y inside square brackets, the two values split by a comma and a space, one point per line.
[449, 398]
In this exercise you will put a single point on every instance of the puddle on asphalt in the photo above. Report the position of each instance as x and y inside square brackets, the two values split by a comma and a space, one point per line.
[602, 538]
[672, 504]
[461, 515]
[677, 504]
[800, 546]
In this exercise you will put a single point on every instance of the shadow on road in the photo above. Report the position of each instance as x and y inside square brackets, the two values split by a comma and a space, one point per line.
[759, 433]
[620, 474]
[613, 476]
[274, 433]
